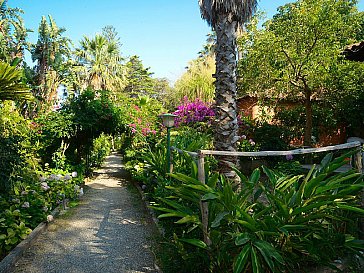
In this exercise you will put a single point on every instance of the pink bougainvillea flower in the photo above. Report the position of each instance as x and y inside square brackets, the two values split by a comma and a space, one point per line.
[191, 112]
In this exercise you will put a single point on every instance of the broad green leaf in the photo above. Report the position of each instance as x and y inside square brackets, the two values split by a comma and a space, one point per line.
[243, 179]
[271, 175]
[312, 184]
[268, 252]
[254, 178]
[325, 161]
[219, 217]
[203, 188]
[246, 224]
[172, 214]
[345, 188]
[242, 259]
[212, 181]
[351, 208]
[255, 262]
[283, 210]
[286, 183]
[242, 239]
[161, 209]
[247, 217]
[317, 205]
[184, 178]
[195, 242]
[189, 219]
[176, 205]
[209, 196]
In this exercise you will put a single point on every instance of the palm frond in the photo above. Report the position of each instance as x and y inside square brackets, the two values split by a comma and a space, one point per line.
[237, 10]
[11, 87]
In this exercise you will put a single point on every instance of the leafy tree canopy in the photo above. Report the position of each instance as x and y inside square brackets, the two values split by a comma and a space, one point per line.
[296, 52]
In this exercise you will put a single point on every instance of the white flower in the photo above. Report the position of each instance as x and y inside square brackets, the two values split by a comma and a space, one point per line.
[243, 137]
[67, 177]
[74, 174]
[45, 209]
[49, 218]
[44, 186]
[52, 177]
[42, 179]
[251, 142]
[16, 200]
[58, 177]
[25, 205]
[24, 193]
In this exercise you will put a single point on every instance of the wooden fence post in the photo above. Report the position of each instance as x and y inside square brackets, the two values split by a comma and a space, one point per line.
[203, 204]
[358, 163]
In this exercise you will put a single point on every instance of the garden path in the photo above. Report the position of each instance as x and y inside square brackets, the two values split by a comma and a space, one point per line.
[108, 232]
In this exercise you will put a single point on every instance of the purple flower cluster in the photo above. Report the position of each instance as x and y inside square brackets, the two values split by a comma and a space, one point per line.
[191, 112]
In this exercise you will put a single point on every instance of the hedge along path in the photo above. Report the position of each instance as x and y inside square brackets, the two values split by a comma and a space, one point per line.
[108, 232]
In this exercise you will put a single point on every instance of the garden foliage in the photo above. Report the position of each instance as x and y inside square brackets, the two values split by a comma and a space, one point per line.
[277, 224]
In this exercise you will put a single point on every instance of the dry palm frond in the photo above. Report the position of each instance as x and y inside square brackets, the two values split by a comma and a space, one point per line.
[239, 11]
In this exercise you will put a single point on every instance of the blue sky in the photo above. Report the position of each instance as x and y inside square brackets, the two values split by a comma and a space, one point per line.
[165, 34]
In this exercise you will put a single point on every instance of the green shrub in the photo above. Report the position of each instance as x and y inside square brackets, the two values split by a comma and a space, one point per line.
[277, 225]
[17, 154]
[100, 149]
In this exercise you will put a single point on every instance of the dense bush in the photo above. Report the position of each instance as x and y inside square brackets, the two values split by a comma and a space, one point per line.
[17, 154]
[100, 149]
[31, 203]
[275, 225]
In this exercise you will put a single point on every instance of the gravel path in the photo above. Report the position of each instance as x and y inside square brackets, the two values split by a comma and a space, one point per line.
[108, 232]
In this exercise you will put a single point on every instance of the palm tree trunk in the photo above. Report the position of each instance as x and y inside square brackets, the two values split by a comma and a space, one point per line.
[226, 125]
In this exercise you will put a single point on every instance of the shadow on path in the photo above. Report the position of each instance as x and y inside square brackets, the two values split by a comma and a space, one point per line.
[107, 232]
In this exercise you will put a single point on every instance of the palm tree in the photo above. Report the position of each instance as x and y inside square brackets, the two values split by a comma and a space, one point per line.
[11, 86]
[51, 53]
[13, 33]
[101, 61]
[225, 17]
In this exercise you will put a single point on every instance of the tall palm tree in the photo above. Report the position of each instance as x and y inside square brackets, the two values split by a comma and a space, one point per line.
[51, 53]
[101, 61]
[13, 33]
[225, 17]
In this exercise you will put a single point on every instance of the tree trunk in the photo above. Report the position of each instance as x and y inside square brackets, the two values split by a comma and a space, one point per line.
[308, 125]
[226, 124]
